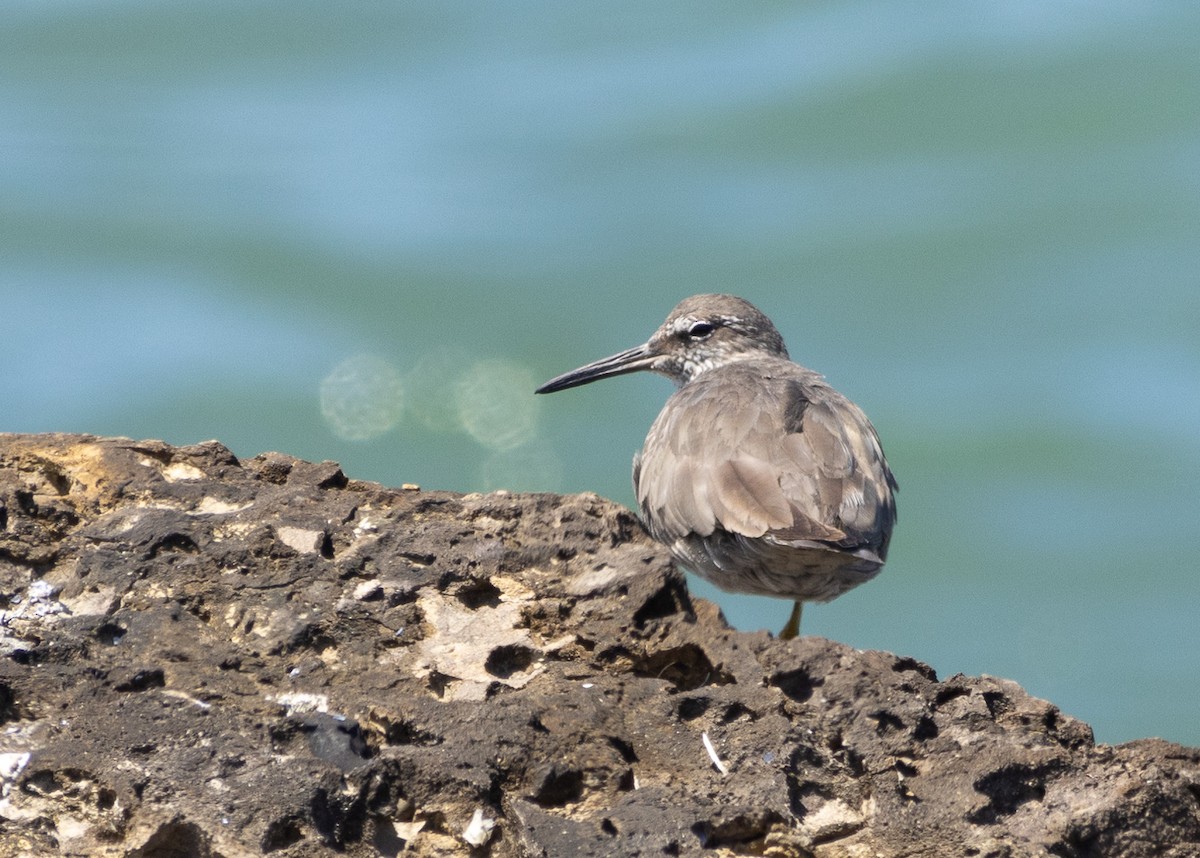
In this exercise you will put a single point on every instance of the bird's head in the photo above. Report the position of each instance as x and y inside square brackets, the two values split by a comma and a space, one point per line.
[702, 332]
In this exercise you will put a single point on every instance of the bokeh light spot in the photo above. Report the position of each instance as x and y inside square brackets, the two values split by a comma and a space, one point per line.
[533, 467]
[362, 398]
[496, 405]
[429, 389]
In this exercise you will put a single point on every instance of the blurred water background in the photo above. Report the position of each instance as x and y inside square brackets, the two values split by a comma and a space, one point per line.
[365, 232]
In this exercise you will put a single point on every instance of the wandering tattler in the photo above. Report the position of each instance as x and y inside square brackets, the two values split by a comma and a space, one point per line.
[757, 474]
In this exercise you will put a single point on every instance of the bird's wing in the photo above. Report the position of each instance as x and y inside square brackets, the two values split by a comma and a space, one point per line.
[832, 468]
[779, 456]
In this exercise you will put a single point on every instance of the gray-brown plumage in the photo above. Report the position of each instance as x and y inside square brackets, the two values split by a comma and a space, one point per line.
[757, 474]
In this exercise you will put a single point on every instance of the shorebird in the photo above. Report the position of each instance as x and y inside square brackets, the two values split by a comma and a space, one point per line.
[757, 475]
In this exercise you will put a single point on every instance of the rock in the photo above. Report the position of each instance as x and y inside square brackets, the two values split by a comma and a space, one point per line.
[205, 656]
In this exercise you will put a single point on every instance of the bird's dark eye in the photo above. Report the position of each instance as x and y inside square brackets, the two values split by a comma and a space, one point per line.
[701, 330]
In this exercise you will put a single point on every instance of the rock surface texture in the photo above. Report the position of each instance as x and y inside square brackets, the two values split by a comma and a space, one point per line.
[203, 656]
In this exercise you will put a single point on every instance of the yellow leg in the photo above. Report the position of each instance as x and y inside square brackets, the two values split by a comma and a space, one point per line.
[792, 629]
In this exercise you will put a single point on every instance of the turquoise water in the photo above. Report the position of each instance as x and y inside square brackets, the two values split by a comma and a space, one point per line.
[365, 232]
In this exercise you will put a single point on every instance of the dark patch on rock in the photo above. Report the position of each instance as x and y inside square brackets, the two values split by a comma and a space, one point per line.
[213, 657]
[138, 679]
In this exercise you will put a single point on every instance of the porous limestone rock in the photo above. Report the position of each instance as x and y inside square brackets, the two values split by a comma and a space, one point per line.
[201, 656]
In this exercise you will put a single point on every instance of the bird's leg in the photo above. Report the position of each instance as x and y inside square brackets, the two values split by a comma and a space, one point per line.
[792, 629]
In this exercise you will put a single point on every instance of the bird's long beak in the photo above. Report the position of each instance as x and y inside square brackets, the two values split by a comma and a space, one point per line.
[631, 360]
